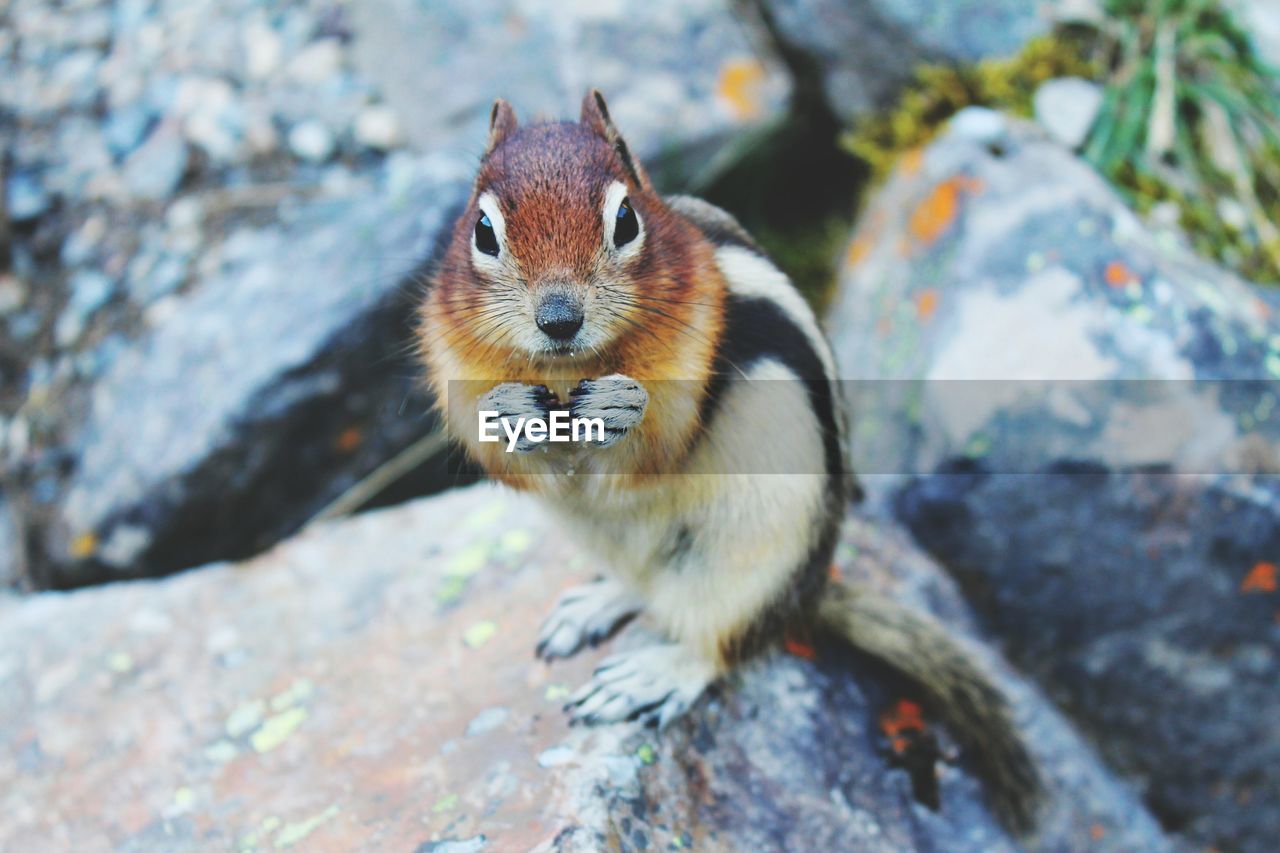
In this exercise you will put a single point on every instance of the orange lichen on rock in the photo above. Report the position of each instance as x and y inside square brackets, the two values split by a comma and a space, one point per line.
[83, 545]
[926, 303]
[1261, 578]
[800, 649]
[858, 251]
[349, 439]
[901, 722]
[933, 216]
[1118, 274]
[739, 85]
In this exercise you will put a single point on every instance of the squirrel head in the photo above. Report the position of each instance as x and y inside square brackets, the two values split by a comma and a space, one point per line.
[564, 248]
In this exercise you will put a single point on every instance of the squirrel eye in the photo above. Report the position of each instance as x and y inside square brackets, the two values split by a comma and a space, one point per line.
[627, 226]
[486, 240]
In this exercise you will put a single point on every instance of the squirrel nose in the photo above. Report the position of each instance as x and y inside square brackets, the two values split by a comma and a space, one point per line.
[559, 316]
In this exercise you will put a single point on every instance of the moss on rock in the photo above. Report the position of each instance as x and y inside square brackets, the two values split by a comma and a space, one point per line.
[1191, 118]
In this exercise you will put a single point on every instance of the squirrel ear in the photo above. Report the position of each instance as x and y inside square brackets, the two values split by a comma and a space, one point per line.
[595, 116]
[502, 123]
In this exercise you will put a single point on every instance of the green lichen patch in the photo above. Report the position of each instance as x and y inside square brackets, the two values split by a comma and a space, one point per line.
[292, 833]
[277, 729]
[479, 634]
[941, 91]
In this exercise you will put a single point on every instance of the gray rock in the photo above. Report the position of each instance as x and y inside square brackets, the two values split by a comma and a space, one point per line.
[25, 197]
[258, 398]
[674, 71]
[1079, 422]
[155, 170]
[1145, 603]
[395, 646]
[865, 51]
[1067, 107]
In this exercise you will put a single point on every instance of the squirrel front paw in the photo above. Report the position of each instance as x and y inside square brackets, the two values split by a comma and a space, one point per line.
[514, 401]
[618, 401]
[586, 616]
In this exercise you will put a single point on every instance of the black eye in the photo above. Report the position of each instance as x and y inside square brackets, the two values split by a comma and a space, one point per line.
[486, 240]
[627, 226]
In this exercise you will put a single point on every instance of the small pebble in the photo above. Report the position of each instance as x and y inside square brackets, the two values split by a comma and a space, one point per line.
[155, 170]
[486, 721]
[311, 141]
[979, 124]
[262, 50]
[25, 197]
[13, 295]
[377, 127]
[317, 63]
[1066, 108]
[90, 290]
[126, 127]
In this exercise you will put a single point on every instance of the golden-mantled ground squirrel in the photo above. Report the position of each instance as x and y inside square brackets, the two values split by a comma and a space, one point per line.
[715, 495]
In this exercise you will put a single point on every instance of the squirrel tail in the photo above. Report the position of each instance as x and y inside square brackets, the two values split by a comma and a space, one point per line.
[978, 713]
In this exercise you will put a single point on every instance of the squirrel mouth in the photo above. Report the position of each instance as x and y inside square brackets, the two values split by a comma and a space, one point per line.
[561, 352]
[567, 352]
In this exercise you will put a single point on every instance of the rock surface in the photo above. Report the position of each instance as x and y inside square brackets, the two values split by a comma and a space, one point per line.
[370, 683]
[1147, 605]
[865, 51]
[1026, 316]
[264, 393]
[241, 358]
[677, 73]
[1079, 421]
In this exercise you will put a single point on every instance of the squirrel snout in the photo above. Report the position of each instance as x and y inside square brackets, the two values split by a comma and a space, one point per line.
[559, 316]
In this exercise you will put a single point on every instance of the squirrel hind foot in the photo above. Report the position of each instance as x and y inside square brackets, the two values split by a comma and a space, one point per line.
[653, 685]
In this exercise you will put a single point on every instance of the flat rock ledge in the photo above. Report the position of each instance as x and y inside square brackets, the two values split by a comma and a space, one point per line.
[370, 684]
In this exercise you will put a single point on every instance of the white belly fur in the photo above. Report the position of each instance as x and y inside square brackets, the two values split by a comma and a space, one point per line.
[750, 501]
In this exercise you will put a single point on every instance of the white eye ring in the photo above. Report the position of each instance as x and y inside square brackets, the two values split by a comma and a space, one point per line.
[488, 204]
[613, 198]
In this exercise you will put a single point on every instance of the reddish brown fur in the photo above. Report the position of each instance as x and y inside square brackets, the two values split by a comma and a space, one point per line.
[550, 180]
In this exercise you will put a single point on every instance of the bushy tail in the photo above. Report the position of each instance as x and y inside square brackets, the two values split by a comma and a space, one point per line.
[966, 697]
